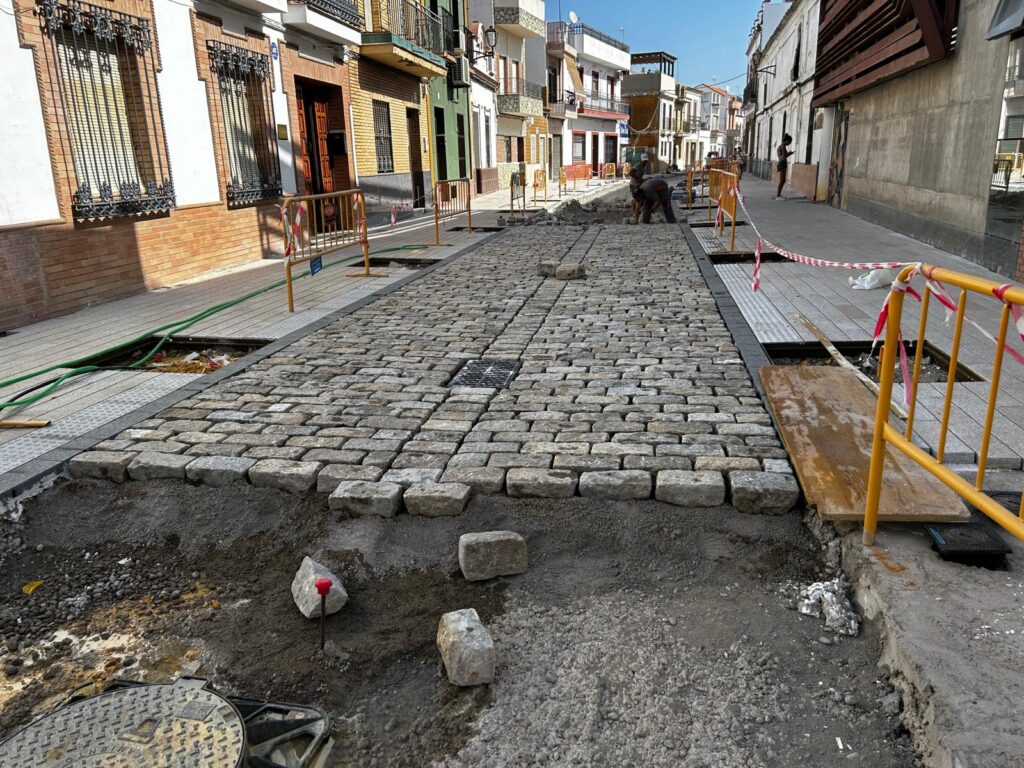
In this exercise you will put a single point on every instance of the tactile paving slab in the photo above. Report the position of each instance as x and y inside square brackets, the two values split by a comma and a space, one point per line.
[179, 725]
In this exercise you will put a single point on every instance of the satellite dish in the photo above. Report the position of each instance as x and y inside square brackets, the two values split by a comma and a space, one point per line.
[573, 18]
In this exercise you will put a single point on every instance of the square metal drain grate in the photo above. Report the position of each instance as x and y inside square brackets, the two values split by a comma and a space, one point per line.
[486, 373]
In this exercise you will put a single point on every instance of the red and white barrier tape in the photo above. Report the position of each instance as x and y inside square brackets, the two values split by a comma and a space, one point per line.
[291, 228]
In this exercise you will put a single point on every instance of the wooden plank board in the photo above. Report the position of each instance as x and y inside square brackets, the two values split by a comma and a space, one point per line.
[826, 418]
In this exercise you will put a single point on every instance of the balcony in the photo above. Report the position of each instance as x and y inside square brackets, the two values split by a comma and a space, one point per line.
[593, 103]
[750, 92]
[524, 18]
[265, 6]
[520, 98]
[407, 37]
[558, 44]
[597, 46]
[563, 105]
[339, 21]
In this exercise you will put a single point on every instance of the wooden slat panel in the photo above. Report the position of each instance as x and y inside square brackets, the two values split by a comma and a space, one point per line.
[826, 418]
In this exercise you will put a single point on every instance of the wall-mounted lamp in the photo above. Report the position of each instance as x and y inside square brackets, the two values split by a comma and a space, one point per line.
[490, 41]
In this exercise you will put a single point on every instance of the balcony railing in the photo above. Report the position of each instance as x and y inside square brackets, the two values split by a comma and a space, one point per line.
[557, 31]
[750, 92]
[415, 23]
[579, 30]
[345, 11]
[560, 103]
[516, 87]
[604, 103]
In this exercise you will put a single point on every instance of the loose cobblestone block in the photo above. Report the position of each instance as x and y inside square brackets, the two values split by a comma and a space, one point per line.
[361, 498]
[547, 268]
[291, 476]
[489, 554]
[570, 271]
[763, 493]
[479, 479]
[466, 647]
[151, 465]
[413, 475]
[617, 485]
[436, 499]
[690, 489]
[305, 594]
[218, 471]
[104, 465]
[543, 483]
[778, 465]
[333, 474]
[725, 463]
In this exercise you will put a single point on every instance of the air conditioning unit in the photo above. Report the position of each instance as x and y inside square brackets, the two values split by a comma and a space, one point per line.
[459, 41]
[460, 72]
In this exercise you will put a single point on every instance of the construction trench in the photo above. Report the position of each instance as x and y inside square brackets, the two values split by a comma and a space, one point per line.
[641, 633]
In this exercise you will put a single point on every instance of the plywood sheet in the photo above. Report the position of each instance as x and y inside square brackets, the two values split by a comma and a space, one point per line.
[826, 418]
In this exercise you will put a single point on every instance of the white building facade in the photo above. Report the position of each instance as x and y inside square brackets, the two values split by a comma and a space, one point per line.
[781, 63]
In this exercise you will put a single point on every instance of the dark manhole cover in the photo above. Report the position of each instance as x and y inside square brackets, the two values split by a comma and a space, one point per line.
[486, 373]
[968, 543]
[185, 724]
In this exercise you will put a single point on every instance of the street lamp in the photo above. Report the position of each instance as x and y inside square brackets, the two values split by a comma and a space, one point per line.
[490, 41]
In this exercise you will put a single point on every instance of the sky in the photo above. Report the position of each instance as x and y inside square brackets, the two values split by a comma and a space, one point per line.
[708, 36]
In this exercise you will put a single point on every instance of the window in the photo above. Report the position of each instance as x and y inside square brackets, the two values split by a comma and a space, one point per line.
[107, 79]
[460, 130]
[243, 79]
[520, 149]
[382, 136]
[487, 139]
[579, 147]
[507, 144]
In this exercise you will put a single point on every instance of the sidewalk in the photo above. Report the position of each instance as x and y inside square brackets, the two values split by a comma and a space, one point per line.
[825, 297]
[94, 400]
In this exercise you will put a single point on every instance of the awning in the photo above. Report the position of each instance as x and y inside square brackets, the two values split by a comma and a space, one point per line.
[574, 74]
[1008, 18]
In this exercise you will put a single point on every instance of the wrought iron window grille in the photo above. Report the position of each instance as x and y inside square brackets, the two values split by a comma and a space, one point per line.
[244, 83]
[382, 137]
[100, 63]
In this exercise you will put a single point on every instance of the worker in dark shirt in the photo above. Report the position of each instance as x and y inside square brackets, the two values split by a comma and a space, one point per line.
[652, 194]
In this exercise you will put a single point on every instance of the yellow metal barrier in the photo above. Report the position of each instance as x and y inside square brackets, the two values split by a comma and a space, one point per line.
[517, 195]
[563, 181]
[314, 225]
[609, 171]
[886, 434]
[626, 168]
[714, 188]
[451, 198]
[699, 174]
[540, 181]
[728, 187]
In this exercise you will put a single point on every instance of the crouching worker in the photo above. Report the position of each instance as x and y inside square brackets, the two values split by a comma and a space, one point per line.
[651, 195]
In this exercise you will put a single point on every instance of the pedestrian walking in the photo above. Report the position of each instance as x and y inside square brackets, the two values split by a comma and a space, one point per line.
[651, 195]
[783, 164]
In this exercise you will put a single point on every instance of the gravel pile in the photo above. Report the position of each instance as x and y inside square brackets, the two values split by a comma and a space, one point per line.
[560, 699]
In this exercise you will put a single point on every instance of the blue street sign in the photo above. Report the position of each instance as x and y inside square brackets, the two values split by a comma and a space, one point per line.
[273, 50]
[315, 266]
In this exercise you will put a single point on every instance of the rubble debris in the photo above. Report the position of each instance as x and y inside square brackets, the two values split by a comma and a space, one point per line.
[489, 554]
[466, 647]
[570, 271]
[831, 600]
[305, 594]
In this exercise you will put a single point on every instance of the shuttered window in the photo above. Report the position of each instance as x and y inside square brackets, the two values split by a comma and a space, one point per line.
[103, 64]
[1014, 127]
[243, 80]
[382, 137]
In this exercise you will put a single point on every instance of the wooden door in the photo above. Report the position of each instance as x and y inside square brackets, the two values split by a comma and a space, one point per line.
[323, 153]
[303, 139]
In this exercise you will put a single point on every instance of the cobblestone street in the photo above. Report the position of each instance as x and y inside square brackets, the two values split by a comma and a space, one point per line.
[629, 387]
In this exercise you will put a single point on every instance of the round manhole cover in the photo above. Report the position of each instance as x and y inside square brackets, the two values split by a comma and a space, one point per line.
[181, 725]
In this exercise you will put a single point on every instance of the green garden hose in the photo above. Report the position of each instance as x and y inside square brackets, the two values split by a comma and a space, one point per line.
[168, 329]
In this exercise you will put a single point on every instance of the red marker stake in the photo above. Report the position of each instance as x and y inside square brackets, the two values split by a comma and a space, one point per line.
[323, 586]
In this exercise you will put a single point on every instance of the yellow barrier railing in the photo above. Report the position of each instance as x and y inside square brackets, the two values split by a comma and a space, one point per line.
[609, 171]
[451, 198]
[701, 175]
[581, 172]
[626, 168]
[314, 225]
[563, 182]
[540, 181]
[714, 188]
[727, 186]
[517, 195]
[886, 434]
